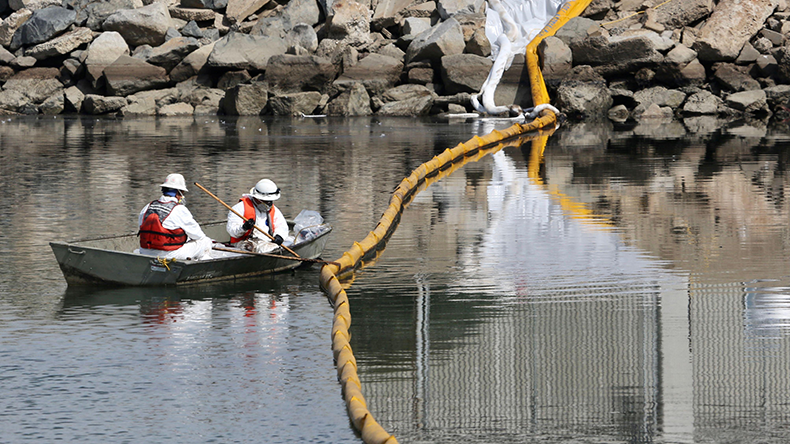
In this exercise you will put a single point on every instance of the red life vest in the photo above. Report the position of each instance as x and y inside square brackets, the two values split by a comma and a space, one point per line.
[156, 237]
[249, 213]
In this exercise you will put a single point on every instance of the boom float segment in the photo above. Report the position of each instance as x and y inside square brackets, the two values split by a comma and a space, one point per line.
[429, 172]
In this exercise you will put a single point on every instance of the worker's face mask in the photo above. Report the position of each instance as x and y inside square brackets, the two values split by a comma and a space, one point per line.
[263, 204]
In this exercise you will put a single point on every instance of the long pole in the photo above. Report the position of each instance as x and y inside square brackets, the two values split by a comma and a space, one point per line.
[242, 218]
[278, 256]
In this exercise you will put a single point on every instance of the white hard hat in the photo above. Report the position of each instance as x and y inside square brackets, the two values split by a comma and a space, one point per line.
[266, 190]
[175, 181]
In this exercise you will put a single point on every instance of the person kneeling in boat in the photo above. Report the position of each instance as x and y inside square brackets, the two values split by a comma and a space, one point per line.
[167, 228]
[259, 211]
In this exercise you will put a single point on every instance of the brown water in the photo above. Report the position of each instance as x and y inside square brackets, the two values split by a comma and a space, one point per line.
[622, 285]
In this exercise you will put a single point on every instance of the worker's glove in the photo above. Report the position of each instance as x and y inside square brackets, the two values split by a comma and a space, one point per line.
[248, 224]
[278, 239]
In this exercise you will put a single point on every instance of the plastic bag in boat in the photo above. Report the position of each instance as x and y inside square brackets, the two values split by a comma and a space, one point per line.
[308, 225]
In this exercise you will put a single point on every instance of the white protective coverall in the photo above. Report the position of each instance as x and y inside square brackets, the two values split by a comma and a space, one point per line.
[199, 245]
[510, 27]
[257, 242]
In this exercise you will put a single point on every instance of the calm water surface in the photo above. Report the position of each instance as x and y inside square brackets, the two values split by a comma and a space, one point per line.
[624, 284]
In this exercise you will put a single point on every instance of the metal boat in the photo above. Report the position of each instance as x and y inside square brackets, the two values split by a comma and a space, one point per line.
[111, 260]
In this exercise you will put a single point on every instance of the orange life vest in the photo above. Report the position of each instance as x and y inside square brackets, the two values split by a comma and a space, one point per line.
[156, 237]
[249, 213]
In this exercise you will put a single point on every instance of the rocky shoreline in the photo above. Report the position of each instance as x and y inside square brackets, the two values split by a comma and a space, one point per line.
[619, 60]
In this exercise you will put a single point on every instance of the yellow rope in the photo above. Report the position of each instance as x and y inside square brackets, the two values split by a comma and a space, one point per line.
[635, 14]
[165, 261]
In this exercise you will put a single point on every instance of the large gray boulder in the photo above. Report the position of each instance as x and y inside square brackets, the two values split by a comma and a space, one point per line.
[295, 104]
[583, 99]
[731, 25]
[350, 22]
[777, 96]
[681, 67]
[10, 25]
[97, 104]
[12, 100]
[54, 104]
[376, 72]
[170, 53]
[478, 43]
[387, 12]
[415, 25]
[243, 51]
[290, 74]
[32, 5]
[353, 101]
[294, 13]
[210, 97]
[449, 8]
[92, 13]
[753, 101]
[128, 75]
[246, 100]
[679, 14]
[192, 64]
[734, 78]
[143, 26]
[204, 4]
[615, 55]
[392, 50]
[37, 84]
[576, 30]
[106, 48]
[238, 10]
[783, 69]
[43, 25]
[61, 45]
[702, 103]
[583, 94]
[556, 56]
[73, 98]
[657, 95]
[444, 39]
[138, 107]
[195, 14]
[176, 110]
[416, 106]
[406, 91]
[464, 72]
[304, 36]
[6, 57]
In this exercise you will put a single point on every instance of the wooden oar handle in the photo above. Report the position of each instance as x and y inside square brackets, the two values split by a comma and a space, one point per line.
[242, 217]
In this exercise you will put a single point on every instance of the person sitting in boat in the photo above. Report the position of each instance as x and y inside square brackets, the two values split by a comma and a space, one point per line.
[259, 211]
[167, 228]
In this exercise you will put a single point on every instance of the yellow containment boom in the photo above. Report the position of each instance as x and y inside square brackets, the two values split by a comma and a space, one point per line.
[435, 169]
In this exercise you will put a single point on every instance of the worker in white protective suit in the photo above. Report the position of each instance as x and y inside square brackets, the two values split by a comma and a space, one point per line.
[167, 228]
[259, 211]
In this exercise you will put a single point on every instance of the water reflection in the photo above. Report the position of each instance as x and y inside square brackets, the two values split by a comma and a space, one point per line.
[617, 284]
[547, 318]
[766, 310]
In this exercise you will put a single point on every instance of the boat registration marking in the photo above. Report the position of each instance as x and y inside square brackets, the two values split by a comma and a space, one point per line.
[158, 268]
